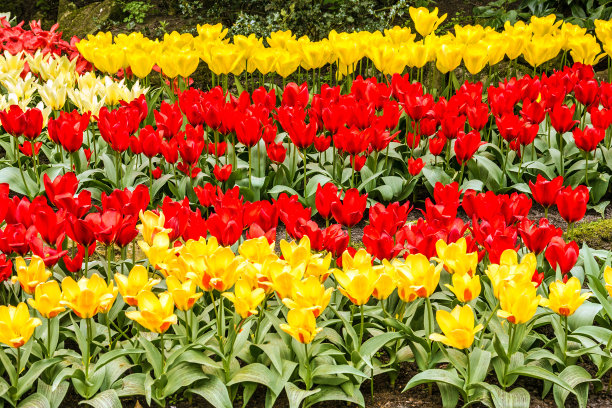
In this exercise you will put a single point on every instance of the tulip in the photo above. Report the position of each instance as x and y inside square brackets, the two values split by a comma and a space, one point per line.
[88, 297]
[68, 129]
[588, 139]
[257, 250]
[562, 118]
[324, 197]
[386, 283]
[565, 298]
[141, 63]
[309, 294]
[155, 314]
[16, 325]
[466, 145]
[221, 270]
[608, 279]
[302, 325]
[158, 253]
[518, 302]
[544, 191]
[276, 152]
[356, 285]
[32, 275]
[245, 298]
[509, 270]
[184, 294]
[152, 223]
[47, 297]
[418, 275]
[349, 211]
[137, 281]
[465, 287]
[457, 326]
[455, 257]
[425, 21]
[572, 203]
[223, 173]
[415, 166]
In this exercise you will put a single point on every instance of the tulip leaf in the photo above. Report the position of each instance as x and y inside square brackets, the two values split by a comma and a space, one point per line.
[578, 378]
[372, 345]
[158, 184]
[278, 189]
[153, 356]
[325, 370]
[296, 395]
[105, 399]
[182, 375]
[130, 385]
[112, 355]
[435, 175]
[8, 366]
[517, 398]
[35, 400]
[584, 315]
[365, 182]
[213, 391]
[541, 374]
[55, 397]
[12, 176]
[329, 393]
[436, 375]
[479, 364]
[256, 373]
[35, 370]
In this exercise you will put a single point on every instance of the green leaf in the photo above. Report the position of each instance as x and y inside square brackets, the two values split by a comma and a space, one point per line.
[12, 176]
[27, 380]
[153, 356]
[111, 355]
[158, 184]
[296, 395]
[479, 364]
[256, 373]
[436, 375]
[325, 370]
[578, 378]
[541, 374]
[517, 398]
[105, 399]
[328, 393]
[182, 375]
[35, 400]
[371, 346]
[55, 397]
[213, 391]
[435, 175]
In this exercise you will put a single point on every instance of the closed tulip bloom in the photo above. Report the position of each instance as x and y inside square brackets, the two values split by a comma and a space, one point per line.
[349, 211]
[222, 270]
[562, 117]
[301, 325]
[159, 252]
[296, 253]
[457, 326]
[47, 297]
[425, 21]
[608, 279]
[155, 314]
[137, 281]
[419, 274]
[16, 325]
[572, 203]
[184, 294]
[361, 261]
[356, 285]
[222, 173]
[475, 58]
[32, 275]
[257, 250]
[141, 63]
[467, 145]
[544, 191]
[565, 298]
[151, 224]
[518, 302]
[245, 299]
[386, 282]
[588, 139]
[88, 297]
[465, 287]
[455, 257]
[448, 57]
[511, 270]
[309, 294]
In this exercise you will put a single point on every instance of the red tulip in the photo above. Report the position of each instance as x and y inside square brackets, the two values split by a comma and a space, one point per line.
[6, 267]
[390, 218]
[13, 239]
[466, 145]
[156, 172]
[222, 173]
[533, 112]
[588, 139]
[380, 244]
[276, 152]
[150, 141]
[561, 255]
[415, 166]
[49, 224]
[335, 240]
[478, 116]
[349, 211]
[545, 192]
[358, 162]
[61, 186]
[537, 236]
[168, 120]
[322, 143]
[324, 197]
[224, 226]
[249, 130]
[217, 149]
[82, 231]
[436, 144]
[562, 118]
[126, 201]
[13, 120]
[30, 148]
[68, 129]
[50, 255]
[295, 95]
[572, 203]
[587, 92]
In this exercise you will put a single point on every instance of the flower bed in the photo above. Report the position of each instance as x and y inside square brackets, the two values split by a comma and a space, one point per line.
[138, 219]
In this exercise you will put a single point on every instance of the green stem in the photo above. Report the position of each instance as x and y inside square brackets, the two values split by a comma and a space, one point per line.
[118, 166]
[308, 367]
[25, 185]
[161, 349]
[250, 179]
[565, 328]
[109, 255]
[150, 173]
[429, 327]
[48, 338]
[18, 364]
[110, 338]
[510, 352]
[360, 328]
[484, 327]
[586, 168]
[304, 158]
[88, 346]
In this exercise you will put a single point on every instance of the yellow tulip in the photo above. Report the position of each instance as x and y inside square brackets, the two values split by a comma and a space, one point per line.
[257, 250]
[362, 260]
[155, 314]
[53, 93]
[319, 266]
[540, 50]
[282, 277]
[309, 294]
[608, 279]
[302, 325]
[418, 54]
[221, 270]
[356, 284]
[416, 277]
[347, 52]
[518, 302]
[543, 26]
[141, 63]
[279, 39]
[47, 298]
[251, 44]
[469, 34]
[448, 57]
[457, 326]
[159, 252]
[475, 58]
[184, 294]
[16, 325]
[186, 62]
[314, 55]
[264, 61]
[565, 298]
[400, 35]
[32, 275]
[425, 21]
[455, 257]
[109, 59]
[245, 298]
[211, 32]
[296, 253]
[510, 270]
[88, 297]
[151, 224]
[385, 285]
[586, 50]
[137, 281]
[225, 59]
[287, 63]
[465, 287]
[603, 30]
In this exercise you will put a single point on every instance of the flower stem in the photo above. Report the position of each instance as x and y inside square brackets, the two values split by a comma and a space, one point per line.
[361, 327]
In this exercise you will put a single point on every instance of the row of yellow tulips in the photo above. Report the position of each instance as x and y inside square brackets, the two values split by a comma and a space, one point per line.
[538, 41]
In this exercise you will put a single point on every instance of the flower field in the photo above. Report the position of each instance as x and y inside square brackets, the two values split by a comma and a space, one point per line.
[314, 217]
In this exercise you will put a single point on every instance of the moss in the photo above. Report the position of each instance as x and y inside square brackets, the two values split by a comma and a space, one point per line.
[596, 234]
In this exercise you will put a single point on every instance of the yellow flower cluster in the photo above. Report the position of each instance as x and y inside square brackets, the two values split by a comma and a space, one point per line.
[392, 51]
